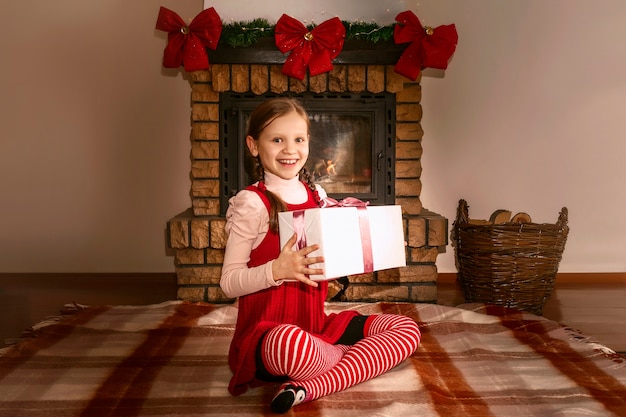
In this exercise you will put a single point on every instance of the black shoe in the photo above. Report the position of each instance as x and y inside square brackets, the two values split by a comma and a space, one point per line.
[286, 398]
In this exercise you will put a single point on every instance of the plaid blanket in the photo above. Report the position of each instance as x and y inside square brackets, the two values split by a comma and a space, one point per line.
[169, 359]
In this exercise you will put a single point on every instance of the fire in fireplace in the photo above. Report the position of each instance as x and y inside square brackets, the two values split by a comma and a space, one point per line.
[352, 136]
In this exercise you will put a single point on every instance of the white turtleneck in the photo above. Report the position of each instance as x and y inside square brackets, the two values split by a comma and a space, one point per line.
[247, 222]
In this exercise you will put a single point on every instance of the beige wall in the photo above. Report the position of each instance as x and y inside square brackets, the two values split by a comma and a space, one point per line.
[528, 117]
[83, 97]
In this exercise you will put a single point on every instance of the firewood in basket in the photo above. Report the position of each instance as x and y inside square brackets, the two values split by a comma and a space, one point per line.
[479, 222]
[500, 216]
[521, 217]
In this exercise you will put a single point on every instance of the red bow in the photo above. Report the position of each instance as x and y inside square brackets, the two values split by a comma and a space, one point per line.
[429, 47]
[315, 48]
[186, 44]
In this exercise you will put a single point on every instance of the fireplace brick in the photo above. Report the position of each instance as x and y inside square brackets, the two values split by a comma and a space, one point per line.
[318, 84]
[259, 75]
[395, 82]
[207, 255]
[216, 295]
[298, 86]
[422, 255]
[279, 82]
[204, 274]
[426, 230]
[220, 75]
[204, 150]
[178, 233]
[410, 93]
[205, 169]
[408, 169]
[202, 76]
[198, 236]
[372, 293]
[362, 278]
[410, 205]
[356, 78]
[206, 206]
[408, 112]
[406, 188]
[205, 112]
[240, 78]
[437, 231]
[201, 92]
[337, 79]
[410, 274]
[194, 294]
[376, 79]
[206, 131]
[419, 293]
[205, 188]
[409, 131]
[189, 256]
[408, 148]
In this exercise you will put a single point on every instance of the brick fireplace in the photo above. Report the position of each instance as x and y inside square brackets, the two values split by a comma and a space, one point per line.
[197, 235]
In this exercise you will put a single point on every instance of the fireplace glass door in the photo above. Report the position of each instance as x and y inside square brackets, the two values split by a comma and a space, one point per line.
[352, 151]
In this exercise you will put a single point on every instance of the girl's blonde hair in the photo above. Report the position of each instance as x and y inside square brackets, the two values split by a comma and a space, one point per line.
[264, 114]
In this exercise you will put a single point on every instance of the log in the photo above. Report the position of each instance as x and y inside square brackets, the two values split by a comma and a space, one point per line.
[500, 216]
[521, 217]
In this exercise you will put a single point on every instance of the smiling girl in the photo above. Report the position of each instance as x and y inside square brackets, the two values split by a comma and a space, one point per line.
[283, 333]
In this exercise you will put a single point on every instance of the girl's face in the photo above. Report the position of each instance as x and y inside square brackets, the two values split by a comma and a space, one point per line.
[283, 145]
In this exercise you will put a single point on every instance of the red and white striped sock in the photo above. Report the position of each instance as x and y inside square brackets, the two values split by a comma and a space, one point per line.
[389, 340]
[289, 350]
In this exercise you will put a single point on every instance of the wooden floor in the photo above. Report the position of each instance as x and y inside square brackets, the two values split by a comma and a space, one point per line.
[595, 304]
[592, 303]
[26, 299]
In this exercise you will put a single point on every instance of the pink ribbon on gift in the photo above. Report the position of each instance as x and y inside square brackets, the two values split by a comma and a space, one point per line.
[327, 202]
[364, 225]
[298, 228]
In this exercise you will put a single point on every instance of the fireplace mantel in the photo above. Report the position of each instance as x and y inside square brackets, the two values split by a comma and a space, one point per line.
[264, 51]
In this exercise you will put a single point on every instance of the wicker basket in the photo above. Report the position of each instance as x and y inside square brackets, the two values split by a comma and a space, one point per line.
[508, 264]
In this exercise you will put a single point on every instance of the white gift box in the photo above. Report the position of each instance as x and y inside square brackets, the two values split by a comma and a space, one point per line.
[341, 233]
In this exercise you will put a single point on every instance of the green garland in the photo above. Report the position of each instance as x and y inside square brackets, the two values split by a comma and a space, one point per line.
[369, 31]
[246, 33]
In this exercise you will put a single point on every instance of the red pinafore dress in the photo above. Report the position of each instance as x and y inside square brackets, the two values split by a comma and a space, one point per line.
[289, 303]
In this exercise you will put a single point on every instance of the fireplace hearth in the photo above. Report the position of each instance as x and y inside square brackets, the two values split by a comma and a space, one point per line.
[197, 235]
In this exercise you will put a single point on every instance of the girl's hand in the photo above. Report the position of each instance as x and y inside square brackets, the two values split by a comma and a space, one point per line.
[292, 264]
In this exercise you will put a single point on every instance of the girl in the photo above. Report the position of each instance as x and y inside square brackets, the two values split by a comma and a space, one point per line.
[282, 332]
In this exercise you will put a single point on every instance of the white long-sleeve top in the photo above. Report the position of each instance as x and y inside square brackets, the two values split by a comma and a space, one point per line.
[247, 223]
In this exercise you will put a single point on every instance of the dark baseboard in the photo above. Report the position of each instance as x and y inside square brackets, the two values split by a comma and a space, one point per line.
[562, 277]
[90, 277]
[169, 278]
